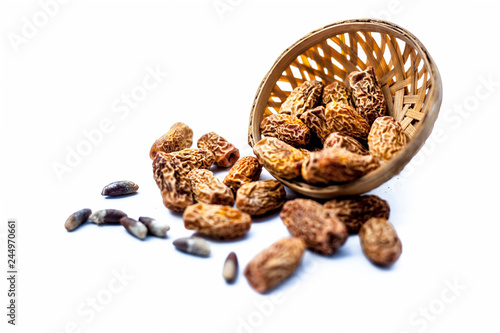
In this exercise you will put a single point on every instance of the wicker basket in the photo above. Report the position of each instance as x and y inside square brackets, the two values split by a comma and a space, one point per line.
[406, 72]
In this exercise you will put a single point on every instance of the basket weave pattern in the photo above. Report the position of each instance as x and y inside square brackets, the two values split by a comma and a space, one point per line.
[407, 75]
[396, 65]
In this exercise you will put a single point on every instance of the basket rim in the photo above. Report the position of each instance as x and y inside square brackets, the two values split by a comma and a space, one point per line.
[388, 169]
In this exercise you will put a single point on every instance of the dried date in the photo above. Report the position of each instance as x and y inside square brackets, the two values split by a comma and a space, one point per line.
[179, 137]
[260, 197]
[316, 121]
[305, 152]
[386, 138]
[287, 128]
[195, 158]
[247, 169]
[380, 242]
[279, 158]
[274, 264]
[368, 96]
[340, 140]
[226, 154]
[305, 96]
[207, 188]
[336, 165]
[320, 228]
[218, 221]
[338, 93]
[354, 211]
[169, 176]
[170, 173]
[343, 118]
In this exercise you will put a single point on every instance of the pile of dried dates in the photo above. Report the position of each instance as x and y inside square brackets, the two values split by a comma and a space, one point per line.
[323, 134]
[330, 134]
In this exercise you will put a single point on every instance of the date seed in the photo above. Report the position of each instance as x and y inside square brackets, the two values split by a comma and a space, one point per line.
[193, 245]
[121, 187]
[77, 219]
[155, 228]
[107, 216]
[230, 270]
[135, 228]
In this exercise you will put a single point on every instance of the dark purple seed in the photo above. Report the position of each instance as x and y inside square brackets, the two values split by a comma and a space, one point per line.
[118, 188]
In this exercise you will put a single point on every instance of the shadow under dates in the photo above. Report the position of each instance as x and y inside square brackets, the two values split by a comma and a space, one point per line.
[216, 240]
[348, 252]
[384, 268]
[341, 253]
[219, 171]
[84, 225]
[175, 213]
[266, 217]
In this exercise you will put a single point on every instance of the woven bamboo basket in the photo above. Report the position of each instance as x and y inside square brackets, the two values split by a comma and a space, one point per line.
[406, 72]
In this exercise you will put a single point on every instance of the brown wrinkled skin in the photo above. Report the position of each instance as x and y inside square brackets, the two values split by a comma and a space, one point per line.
[320, 228]
[386, 138]
[343, 118]
[354, 211]
[170, 173]
[279, 158]
[169, 177]
[341, 140]
[305, 96]
[247, 169]
[226, 154]
[316, 121]
[338, 93]
[336, 165]
[274, 264]
[306, 153]
[367, 94]
[195, 158]
[287, 128]
[179, 137]
[207, 188]
[217, 221]
[260, 197]
[380, 242]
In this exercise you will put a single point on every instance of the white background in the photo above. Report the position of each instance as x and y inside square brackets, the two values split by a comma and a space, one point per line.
[70, 75]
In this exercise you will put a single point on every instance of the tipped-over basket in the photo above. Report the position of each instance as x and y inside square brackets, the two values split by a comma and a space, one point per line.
[406, 72]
